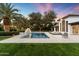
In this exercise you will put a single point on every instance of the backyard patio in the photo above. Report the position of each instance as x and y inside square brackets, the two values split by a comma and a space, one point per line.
[42, 39]
[51, 39]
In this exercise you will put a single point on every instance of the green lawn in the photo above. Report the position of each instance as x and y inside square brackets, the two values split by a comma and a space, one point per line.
[39, 49]
[4, 37]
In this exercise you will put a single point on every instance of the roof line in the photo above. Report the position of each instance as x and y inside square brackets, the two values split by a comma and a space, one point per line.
[69, 15]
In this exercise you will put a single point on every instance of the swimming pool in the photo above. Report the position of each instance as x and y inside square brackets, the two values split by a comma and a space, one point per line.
[39, 35]
[36, 35]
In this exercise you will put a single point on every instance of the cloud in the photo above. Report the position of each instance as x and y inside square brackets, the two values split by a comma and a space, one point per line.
[64, 12]
[76, 7]
[44, 7]
[61, 12]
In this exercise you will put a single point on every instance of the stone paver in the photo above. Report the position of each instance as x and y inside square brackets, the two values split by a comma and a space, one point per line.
[51, 39]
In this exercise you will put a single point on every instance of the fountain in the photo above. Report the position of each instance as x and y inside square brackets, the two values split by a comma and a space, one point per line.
[28, 33]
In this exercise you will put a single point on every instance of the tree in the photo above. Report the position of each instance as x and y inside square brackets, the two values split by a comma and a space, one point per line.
[20, 22]
[49, 20]
[7, 11]
[42, 22]
[35, 21]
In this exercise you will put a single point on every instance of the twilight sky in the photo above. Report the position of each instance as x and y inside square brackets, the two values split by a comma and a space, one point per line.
[61, 9]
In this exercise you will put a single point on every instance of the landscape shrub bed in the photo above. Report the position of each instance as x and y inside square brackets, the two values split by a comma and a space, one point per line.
[2, 33]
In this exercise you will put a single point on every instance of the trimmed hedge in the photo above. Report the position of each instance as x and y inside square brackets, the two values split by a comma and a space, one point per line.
[2, 33]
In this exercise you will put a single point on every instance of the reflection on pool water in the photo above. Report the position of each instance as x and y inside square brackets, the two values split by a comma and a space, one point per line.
[39, 35]
[36, 35]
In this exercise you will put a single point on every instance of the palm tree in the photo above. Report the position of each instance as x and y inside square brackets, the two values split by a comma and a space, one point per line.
[7, 11]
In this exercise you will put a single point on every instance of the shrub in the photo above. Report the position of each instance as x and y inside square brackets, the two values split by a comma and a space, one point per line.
[1, 29]
[2, 33]
[13, 30]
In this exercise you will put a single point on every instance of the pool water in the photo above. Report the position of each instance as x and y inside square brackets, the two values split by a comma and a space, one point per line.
[39, 35]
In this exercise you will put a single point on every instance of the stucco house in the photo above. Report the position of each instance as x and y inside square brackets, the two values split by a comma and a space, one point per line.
[69, 23]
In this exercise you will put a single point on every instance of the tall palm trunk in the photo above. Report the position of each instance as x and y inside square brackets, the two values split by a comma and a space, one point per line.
[6, 28]
[6, 24]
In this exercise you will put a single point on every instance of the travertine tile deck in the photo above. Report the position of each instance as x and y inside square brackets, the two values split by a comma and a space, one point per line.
[51, 39]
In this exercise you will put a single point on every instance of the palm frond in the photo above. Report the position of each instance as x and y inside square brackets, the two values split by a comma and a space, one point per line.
[7, 9]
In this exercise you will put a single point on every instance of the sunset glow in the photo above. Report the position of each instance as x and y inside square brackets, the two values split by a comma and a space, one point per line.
[61, 9]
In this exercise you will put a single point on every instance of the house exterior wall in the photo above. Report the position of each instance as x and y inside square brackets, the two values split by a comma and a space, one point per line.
[63, 26]
[70, 19]
[75, 28]
[69, 29]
